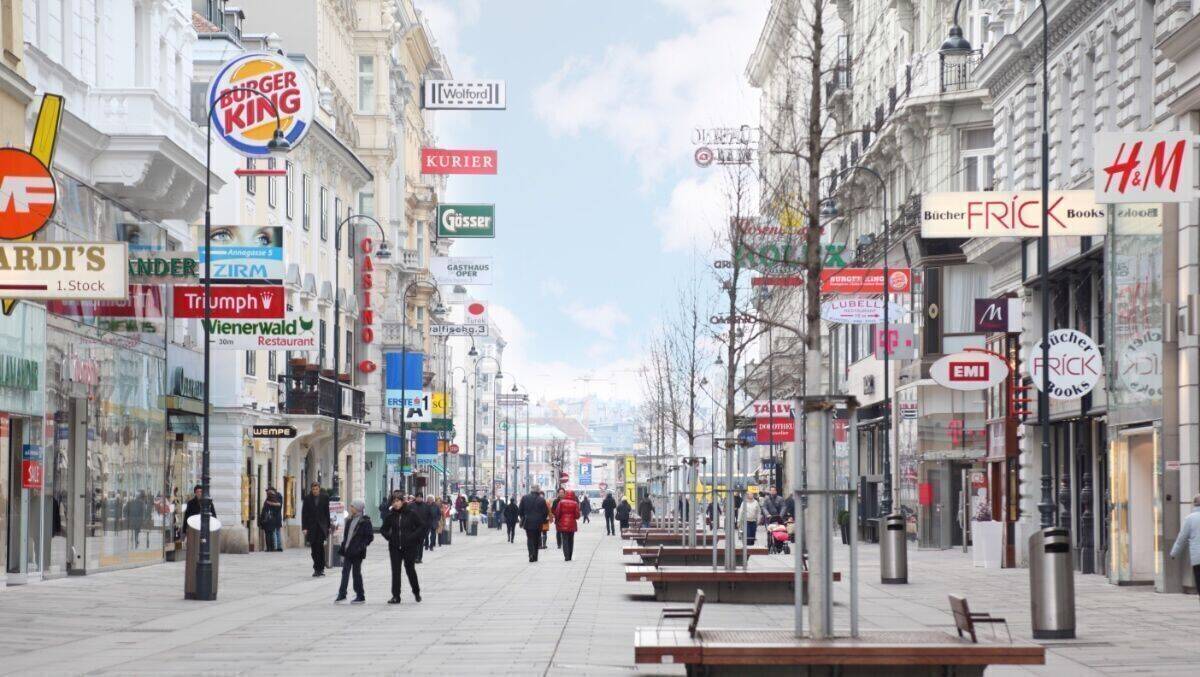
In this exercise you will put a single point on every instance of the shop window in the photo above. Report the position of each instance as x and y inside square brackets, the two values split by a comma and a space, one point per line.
[978, 159]
[289, 195]
[251, 181]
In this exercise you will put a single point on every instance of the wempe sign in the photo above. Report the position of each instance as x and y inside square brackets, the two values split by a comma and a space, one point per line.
[996, 214]
[455, 95]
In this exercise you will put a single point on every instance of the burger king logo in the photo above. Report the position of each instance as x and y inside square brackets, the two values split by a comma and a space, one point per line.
[246, 121]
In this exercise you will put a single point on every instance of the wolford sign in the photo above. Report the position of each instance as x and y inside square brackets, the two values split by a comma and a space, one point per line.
[996, 214]
[439, 161]
[1075, 364]
[455, 95]
[246, 121]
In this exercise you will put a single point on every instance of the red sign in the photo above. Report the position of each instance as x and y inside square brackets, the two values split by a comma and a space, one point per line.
[864, 280]
[31, 474]
[144, 302]
[1143, 167]
[231, 302]
[367, 315]
[768, 430]
[974, 371]
[440, 161]
[27, 194]
[777, 281]
[454, 448]
[925, 493]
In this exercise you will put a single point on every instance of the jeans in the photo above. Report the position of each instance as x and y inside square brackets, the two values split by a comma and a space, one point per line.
[431, 538]
[609, 527]
[462, 524]
[316, 543]
[645, 523]
[352, 566]
[558, 538]
[400, 557]
[274, 542]
[751, 530]
[585, 516]
[512, 530]
[533, 541]
[568, 543]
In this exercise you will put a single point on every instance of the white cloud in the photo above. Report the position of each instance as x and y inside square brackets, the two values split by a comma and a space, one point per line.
[647, 101]
[552, 288]
[603, 319]
[694, 214]
[447, 20]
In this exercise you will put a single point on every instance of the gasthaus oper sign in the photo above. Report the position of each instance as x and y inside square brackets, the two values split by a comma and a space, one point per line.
[92, 271]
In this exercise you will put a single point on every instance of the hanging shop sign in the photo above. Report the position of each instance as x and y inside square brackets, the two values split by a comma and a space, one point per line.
[403, 385]
[164, 267]
[18, 372]
[463, 221]
[245, 254]
[1075, 364]
[476, 312]
[860, 311]
[294, 332]
[1143, 167]
[463, 95]
[458, 330]
[273, 432]
[969, 370]
[462, 270]
[777, 281]
[31, 467]
[996, 214]
[585, 471]
[742, 318]
[27, 194]
[43, 271]
[703, 156]
[247, 122]
[770, 408]
[899, 341]
[440, 404]
[865, 280]
[230, 302]
[443, 161]
[998, 315]
[774, 429]
[141, 311]
[184, 386]
[366, 282]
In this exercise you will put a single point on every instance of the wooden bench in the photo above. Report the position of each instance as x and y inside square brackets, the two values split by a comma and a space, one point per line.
[665, 538]
[965, 619]
[692, 613]
[917, 653]
[678, 555]
[678, 584]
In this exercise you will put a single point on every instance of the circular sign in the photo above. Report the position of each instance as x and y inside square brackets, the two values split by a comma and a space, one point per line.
[898, 279]
[246, 121]
[704, 156]
[29, 194]
[860, 311]
[1075, 364]
[476, 309]
[604, 486]
[969, 370]
[367, 366]
[1139, 370]
[453, 449]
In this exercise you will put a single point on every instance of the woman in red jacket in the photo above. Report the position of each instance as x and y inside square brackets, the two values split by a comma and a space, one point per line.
[566, 516]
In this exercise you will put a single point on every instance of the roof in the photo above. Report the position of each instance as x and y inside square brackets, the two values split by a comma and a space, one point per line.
[203, 25]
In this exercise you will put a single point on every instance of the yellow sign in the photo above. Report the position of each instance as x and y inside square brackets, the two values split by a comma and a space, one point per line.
[473, 508]
[439, 403]
[631, 479]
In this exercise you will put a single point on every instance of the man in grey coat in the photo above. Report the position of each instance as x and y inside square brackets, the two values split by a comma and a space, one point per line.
[1189, 537]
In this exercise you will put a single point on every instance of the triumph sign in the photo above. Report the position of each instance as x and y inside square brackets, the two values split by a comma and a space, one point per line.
[455, 95]
[996, 214]
[463, 221]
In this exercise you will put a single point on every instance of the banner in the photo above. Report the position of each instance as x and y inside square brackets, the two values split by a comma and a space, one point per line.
[427, 446]
[245, 254]
[230, 302]
[1143, 167]
[403, 383]
[999, 214]
[466, 221]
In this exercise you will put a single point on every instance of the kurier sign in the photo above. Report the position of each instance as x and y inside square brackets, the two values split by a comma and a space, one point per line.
[969, 370]
[459, 95]
[246, 121]
[463, 221]
[274, 432]
[1143, 167]
[443, 161]
[83, 270]
[1075, 364]
[998, 214]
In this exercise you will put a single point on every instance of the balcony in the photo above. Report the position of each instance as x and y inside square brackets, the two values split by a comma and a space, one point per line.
[307, 390]
[957, 73]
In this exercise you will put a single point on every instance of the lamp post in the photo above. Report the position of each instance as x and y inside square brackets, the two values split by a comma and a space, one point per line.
[508, 466]
[439, 311]
[466, 418]
[475, 467]
[495, 422]
[445, 406]
[206, 584]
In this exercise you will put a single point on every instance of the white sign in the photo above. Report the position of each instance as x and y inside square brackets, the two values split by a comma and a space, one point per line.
[295, 332]
[476, 313]
[247, 121]
[456, 95]
[771, 408]
[861, 311]
[997, 214]
[462, 269]
[900, 341]
[1143, 167]
[458, 330]
[90, 271]
[1075, 364]
[969, 370]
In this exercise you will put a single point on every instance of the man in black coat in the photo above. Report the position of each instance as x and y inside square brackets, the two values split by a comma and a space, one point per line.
[585, 509]
[194, 503]
[511, 513]
[610, 506]
[533, 514]
[404, 527]
[432, 514]
[314, 520]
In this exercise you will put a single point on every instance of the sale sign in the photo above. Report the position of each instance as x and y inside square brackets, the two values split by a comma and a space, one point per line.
[1143, 167]
[230, 302]
[442, 161]
[864, 280]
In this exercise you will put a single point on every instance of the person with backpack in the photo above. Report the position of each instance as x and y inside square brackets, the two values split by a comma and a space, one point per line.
[358, 535]
[270, 520]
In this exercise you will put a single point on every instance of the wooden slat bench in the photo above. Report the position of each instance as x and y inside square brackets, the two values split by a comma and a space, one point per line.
[965, 619]
[686, 556]
[664, 538]
[678, 584]
[917, 653]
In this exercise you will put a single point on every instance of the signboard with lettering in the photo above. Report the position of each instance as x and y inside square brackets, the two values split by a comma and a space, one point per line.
[1143, 167]
[1012, 214]
[294, 332]
[861, 311]
[81, 270]
[1075, 364]
[998, 315]
[244, 254]
[898, 340]
[466, 221]
[460, 95]
[461, 269]
[274, 432]
[230, 302]
[969, 370]
[443, 161]
[864, 280]
[458, 330]
[31, 467]
[247, 121]
[164, 267]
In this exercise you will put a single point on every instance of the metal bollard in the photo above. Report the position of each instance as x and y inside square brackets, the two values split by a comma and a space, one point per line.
[192, 555]
[893, 550]
[1052, 584]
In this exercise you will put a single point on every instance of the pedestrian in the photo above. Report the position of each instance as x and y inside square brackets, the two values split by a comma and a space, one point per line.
[773, 505]
[609, 505]
[270, 520]
[483, 510]
[432, 516]
[645, 511]
[558, 497]
[749, 514]
[566, 522]
[1189, 535]
[314, 521]
[358, 535]
[585, 508]
[194, 503]
[405, 527]
[533, 515]
[460, 512]
[549, 518]
[623, 511]
[511, 513]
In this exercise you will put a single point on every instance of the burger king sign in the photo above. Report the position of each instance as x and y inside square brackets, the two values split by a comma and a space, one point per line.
[246, 121]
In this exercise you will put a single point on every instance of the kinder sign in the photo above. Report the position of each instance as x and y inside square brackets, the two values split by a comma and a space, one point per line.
[864, 280]
[860, 311]
[246, 121]
[1143, 167]
[440, 161]
[995, 214]
[969, 370]
[1075, 364]
[230, 302]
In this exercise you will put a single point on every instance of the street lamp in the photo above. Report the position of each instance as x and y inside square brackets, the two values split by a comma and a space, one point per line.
[466, 418]
[955, 44]
[439, 311]
[474, 465]
[206, 577]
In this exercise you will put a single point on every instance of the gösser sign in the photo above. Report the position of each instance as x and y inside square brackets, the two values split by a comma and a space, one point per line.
[245, 121]
[462, 269]
[90, 271]
[461, 221]
[993, 214]
[1075, 364]
[969, 370]
[860, 311]
[455, 95]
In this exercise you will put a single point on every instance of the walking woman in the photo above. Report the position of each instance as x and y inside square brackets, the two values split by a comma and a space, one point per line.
[358, 535]
[270, 519]
[566, 522]
[405, 527]
[510, 517]
[623, 511]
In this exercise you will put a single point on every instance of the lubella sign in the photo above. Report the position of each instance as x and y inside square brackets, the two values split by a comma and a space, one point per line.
[860, 311]
[995, 214]
[1075, 364]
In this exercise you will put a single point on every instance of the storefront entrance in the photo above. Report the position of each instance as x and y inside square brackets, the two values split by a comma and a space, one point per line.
[1133, 500]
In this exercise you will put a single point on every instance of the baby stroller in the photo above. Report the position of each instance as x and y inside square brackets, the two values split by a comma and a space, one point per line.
[777, 537]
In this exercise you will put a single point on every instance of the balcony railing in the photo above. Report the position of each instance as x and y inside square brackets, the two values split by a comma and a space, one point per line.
[958, 72]
[308, 391]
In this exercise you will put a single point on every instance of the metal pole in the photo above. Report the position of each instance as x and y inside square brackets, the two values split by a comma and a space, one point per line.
[403, 385]
[205, 585]
[446, 390]
[337, 362]
[852, 525]
[495, 398]
[730, 515]
[474, 450]
[1046, 507]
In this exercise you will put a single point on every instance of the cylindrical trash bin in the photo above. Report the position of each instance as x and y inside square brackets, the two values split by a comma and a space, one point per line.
[1052, 584]
[893, 550]
[193, 554]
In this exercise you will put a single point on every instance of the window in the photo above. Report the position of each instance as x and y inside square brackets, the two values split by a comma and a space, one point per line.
[349, 349]
[366, 203]
[251, 181]
[271, 184]
[337, 217]
[251, 363]
[305, 200]
[272, 367]
[289, 190]
[421, 244]
[366, 84]
[978, 159]
[323, 213]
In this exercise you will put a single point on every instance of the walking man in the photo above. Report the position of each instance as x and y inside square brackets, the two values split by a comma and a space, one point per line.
[533, 514]
[585, 508]
[1189, 537]
[433, 519]
[314, 520]
[646, 511]
[358, 535]
[405, 527]
[510, 517]
[609, 505]
[566, 523]
[773, 505]
[749, 514]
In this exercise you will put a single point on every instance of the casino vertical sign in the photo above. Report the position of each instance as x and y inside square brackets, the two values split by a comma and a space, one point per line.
[246, 121]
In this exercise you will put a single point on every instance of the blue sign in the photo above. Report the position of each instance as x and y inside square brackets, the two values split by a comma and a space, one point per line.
[31, 452]
[585, 474]
[392, 449]
[748, 436]
[403, 378]
[427, 446]
[245, 253]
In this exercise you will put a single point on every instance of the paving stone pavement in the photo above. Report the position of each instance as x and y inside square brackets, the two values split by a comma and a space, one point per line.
[486, 610]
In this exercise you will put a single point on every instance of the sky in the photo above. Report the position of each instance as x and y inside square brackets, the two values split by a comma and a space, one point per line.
[601, 212]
